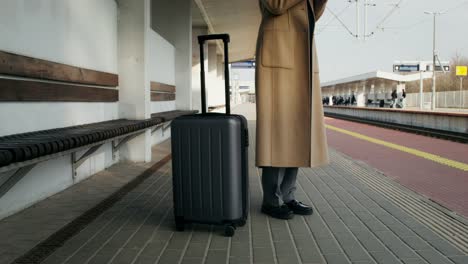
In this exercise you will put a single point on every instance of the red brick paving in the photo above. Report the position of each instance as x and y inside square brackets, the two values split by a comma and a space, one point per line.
[443, 184]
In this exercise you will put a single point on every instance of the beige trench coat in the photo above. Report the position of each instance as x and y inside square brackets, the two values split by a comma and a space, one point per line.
[290, 125]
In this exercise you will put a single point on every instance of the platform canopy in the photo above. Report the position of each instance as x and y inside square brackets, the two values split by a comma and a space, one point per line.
[240, 18]
[378, 75]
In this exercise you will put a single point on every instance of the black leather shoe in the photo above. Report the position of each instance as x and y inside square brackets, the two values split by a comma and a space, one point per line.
[299, 208]
[280, 212]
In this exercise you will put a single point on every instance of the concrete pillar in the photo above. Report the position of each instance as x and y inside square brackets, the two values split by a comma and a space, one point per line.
[196, 91]
[134, 92]
[361, 96]
[220, 76]
[215, 91]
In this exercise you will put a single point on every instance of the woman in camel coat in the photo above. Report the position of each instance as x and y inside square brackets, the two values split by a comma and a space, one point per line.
[290, 126]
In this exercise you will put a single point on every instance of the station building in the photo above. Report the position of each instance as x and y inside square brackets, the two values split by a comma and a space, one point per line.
[370, 88]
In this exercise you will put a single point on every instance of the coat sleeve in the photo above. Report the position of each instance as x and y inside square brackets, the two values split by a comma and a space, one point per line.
[319, 8]
[278, 7]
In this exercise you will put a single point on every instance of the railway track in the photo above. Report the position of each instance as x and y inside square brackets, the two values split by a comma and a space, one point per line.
[443, 134]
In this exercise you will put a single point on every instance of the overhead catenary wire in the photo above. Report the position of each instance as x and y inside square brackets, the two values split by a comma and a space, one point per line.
[342, 23]
[333, 19]
[424, 20]
[386, 17]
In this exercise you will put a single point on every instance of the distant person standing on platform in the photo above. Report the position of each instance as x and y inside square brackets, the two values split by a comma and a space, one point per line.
[403, 99]
[290, 124]
[394, 99]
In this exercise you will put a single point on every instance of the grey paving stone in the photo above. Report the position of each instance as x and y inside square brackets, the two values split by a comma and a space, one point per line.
[100, 258]
[49, 260]
[369, 241]
[153, 248]
[433, 257]
[459, 259]
[285, 248]
[401, 230]
[178, 241]
[384, 257]
[337, 259]
[125, 256]
[311, 255]
[219, 242]
[170, 256]
[281, 234]
[304, 242]
[263, 255]
[239, 260]
[329, 246]
[261, 241]
[240, 250]
[195, 250]
[416, 242]
[396, 245]
[287, 260]
[216, 256]
[192, 260]
[414, 261]
[145, 259]
[445, 247]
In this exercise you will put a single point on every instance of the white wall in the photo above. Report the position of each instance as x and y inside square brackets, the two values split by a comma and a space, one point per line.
[79, 33]
[160, 68]
[173, 21]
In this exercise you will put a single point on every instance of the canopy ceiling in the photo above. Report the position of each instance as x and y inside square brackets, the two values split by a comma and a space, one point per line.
[239, 18]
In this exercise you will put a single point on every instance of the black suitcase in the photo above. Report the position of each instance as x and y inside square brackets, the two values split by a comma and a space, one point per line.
[210, 162]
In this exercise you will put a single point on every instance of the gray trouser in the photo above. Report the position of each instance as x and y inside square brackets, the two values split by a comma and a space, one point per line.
[279, 185]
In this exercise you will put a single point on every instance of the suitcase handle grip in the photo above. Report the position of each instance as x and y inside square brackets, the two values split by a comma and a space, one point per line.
[201, 40]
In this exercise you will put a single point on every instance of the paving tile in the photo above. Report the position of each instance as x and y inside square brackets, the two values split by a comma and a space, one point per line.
[384, 257]
[170, 256]
[263, 255]
[195, 250]
[445, 247]
[329, 246]
[219, 242]
[416, 242]
[285, 248]
[216, 256]
[337, 259]
[459, 259]
[414, 261]
[240, 250]
[192, 261]
[239, 260]
[433, 257]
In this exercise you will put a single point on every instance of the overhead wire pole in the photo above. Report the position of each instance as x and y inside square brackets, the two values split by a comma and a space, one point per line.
[358, 32]
[365, 19]
[434, 58]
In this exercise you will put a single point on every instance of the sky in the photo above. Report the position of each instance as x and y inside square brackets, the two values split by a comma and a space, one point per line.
[407, 35]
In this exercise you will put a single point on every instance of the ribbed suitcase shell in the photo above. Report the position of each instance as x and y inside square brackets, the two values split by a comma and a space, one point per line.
[210, 182]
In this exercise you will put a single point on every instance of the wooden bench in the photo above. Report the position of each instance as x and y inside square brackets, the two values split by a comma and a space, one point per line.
[19, 153]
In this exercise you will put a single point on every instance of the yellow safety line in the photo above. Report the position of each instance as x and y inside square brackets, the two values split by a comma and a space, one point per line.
[438, 159]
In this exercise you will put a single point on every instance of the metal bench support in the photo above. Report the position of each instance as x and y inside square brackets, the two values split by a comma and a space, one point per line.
[77, 162]
[117, 144]
[164, 127]
[6, 183]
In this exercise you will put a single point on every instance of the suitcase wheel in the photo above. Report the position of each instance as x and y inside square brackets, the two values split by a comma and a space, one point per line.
[180, 223]
[229, 230]
[242, 223]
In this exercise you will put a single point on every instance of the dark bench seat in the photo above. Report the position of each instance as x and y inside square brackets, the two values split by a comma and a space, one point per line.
[28, 146]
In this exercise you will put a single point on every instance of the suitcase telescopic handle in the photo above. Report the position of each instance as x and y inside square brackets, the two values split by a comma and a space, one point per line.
[226, 39]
